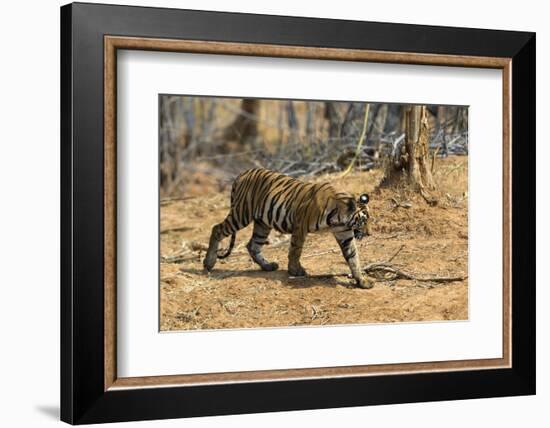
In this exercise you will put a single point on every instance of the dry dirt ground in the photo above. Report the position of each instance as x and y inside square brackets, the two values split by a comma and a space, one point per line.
[433, 242]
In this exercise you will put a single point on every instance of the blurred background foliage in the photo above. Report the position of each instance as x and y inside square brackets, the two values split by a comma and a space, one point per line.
[206, 141]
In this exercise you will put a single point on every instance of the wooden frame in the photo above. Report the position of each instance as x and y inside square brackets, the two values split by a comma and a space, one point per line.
[112, 43]
[514, 373]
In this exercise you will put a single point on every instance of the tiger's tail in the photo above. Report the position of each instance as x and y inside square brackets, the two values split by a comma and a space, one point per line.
[229, 249]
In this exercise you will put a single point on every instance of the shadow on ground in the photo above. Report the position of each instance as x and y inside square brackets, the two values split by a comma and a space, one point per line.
[279, 275]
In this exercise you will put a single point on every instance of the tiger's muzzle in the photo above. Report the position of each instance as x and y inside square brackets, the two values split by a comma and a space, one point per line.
[361, 228]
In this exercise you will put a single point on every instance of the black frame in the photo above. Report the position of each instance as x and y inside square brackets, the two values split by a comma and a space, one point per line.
[83, 399]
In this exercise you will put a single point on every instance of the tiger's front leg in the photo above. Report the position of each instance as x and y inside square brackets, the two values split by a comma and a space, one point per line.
[294, 254]
[346, 242]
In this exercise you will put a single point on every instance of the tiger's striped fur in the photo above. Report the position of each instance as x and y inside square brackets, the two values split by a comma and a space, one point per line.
[276, 201]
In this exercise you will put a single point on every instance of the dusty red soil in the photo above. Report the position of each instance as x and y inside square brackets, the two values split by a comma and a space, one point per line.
[433, 242]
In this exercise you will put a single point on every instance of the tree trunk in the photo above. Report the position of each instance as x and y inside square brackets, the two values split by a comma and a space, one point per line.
[331, 115]
[245, 126]
[403, 116]
[349, 117]
[413, 165]
[377, 128]
[292, 122]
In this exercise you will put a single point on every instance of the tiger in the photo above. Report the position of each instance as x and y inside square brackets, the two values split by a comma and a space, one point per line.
[273, 200]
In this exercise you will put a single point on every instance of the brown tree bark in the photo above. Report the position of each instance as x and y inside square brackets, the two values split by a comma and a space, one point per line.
[414, 165]
[331, 115]
[245, 126]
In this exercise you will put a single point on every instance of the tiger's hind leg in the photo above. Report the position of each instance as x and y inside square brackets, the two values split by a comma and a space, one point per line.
[228, 227]
[254, 247]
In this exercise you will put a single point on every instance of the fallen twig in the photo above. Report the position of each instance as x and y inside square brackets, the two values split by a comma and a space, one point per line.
[384, 268]
[398, 204]
[178, 258]
[395, 235]
[396, 253]
[167, 201]
[385, 271]
[175, 229]
[320, 254]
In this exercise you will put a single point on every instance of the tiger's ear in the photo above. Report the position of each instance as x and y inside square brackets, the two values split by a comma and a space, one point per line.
[363, 199]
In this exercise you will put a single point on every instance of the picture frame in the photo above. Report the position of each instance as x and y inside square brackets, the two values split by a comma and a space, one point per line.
[91, 391]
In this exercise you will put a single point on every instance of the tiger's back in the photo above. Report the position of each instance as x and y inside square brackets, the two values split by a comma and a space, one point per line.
[279, 201]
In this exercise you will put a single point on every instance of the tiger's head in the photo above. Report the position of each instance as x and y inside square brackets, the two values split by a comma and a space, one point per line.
[359, 221]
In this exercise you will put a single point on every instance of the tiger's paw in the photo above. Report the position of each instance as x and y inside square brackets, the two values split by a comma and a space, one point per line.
[296, 271]
[364, 283]
[270, 267]
[209, 262]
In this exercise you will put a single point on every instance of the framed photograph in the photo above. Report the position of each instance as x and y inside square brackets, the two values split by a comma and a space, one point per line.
[266, 213]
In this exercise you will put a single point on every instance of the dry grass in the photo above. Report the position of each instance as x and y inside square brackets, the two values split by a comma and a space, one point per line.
[237, 295]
